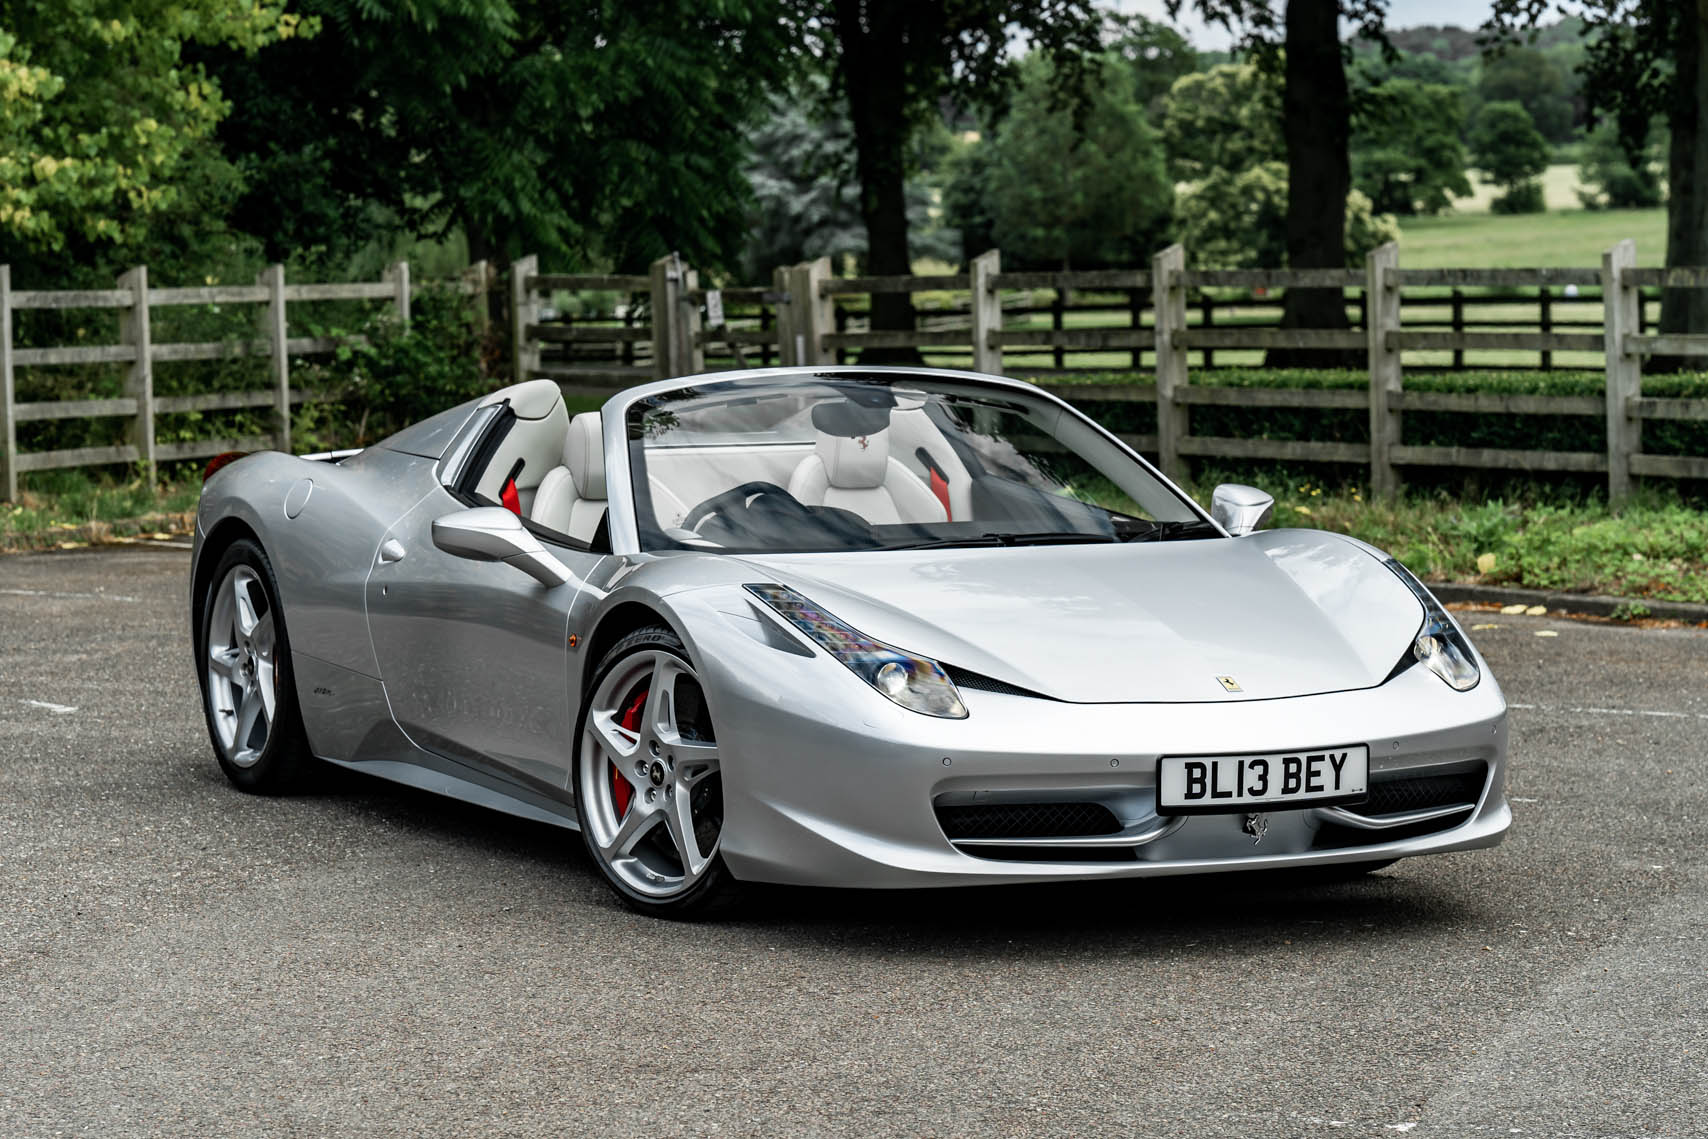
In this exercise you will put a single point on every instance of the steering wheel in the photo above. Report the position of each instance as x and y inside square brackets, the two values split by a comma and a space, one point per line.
[735, 496]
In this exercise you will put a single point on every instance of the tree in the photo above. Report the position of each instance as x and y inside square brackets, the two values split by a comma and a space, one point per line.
[806, 200]
[894, 61]
[1529, 76]
[1237, 220]
[1225, 119]
[1611, 180]
[1157, 54]
[1316, 111]
[594, 134]
[1406, 154]
[1646, 58]
[1071, 189]
[101, 115]
[1513, 153]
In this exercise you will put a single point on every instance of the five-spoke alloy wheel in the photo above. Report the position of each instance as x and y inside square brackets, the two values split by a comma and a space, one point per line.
[649, 790]
[246, 683]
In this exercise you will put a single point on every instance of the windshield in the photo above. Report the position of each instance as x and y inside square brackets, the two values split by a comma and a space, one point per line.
[845, 461]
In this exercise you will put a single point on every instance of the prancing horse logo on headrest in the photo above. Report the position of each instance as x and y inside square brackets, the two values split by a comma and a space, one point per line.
[861, 439]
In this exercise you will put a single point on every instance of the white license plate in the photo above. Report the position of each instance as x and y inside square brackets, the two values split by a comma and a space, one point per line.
[1196, 784]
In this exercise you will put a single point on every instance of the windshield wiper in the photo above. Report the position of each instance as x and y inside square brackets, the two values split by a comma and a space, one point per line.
[1172, 531]
[994, 538]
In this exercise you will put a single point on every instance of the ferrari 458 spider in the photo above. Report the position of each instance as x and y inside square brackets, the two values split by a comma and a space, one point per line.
[838, 626]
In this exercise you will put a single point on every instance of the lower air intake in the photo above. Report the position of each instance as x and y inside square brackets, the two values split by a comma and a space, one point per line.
[1420, 792]
[1027, 820]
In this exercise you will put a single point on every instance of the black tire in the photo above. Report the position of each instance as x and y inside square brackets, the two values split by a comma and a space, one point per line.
[715, 891]
[282, 764]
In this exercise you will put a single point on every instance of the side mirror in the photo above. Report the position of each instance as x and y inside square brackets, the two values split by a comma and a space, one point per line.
[493, 534]
[1240, 509]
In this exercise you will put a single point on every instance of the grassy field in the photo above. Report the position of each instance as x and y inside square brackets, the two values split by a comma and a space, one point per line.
[1563, 239]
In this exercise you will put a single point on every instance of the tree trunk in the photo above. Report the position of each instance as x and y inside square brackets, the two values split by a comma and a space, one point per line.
[870, 33]
[1316, 120]
[1686, 310]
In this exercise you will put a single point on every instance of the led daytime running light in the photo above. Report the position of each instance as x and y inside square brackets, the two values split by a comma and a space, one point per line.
[913, 682]
[1440, 645]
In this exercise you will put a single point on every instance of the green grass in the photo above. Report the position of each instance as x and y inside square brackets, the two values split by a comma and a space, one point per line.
[1559, 239]
[1656, 548]
[73, 508]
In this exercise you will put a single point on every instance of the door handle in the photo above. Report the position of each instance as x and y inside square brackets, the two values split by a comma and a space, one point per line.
[391, 550]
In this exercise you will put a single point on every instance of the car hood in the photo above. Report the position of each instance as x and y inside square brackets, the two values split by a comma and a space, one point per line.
[1281, 613]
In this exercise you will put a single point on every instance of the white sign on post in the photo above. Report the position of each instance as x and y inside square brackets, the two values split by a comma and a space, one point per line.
[714, 308]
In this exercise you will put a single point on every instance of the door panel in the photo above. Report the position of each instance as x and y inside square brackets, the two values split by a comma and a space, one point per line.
[474, 654]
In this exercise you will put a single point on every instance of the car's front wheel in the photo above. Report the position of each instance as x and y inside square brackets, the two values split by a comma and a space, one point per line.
[649, 783]
[247, 689]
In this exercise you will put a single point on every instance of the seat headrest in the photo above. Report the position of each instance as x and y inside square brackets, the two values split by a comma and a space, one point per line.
[857, 462]
[848, 419]
[584, 454]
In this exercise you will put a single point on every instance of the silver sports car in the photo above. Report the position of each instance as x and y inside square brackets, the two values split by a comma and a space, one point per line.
[853, 627]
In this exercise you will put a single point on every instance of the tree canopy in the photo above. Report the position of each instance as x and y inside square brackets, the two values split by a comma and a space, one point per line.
[102, 114]
[1406, 153]
[1075, 189]
[602, 133]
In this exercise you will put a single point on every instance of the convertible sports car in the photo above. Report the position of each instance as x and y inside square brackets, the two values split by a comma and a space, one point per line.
[838, 626]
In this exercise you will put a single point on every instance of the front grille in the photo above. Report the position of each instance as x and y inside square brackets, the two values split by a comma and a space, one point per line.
[1027, 820]
[1404, 793]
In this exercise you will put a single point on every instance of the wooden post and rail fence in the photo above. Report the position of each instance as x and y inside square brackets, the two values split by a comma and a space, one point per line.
[671, 326]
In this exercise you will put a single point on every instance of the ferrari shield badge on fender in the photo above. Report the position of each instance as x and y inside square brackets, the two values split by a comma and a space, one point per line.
[1229, 683]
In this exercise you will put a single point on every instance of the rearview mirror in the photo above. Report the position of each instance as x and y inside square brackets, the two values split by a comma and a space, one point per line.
[1240, 509]
[493, 534]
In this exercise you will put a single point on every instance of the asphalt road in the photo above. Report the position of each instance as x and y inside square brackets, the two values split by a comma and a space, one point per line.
[177, 958]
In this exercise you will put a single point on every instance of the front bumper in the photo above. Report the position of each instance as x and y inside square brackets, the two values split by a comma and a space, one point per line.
[827, 783]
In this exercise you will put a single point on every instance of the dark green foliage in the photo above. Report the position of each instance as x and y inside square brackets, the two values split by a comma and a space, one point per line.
[396, 376]
[1158, 55]
[1522, 198]
[603, 133]
[1611, 180]
[1406, 154]
[806, 194]
[1224, 120]
[1069, 189]
[1535, 80]
[1512, 152]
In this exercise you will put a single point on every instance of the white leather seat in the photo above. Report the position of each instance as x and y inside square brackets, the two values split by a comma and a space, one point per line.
[851, 468]
[533, 446]
[571, 498]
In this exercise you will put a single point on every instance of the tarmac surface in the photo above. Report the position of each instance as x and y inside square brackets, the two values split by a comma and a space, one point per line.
[178, 958]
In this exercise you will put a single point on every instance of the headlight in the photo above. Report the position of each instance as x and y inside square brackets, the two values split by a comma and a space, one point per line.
[1439, 645]
[915, 683]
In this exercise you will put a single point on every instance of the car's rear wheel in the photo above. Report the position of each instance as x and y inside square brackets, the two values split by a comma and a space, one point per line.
[247, 690]
[649, 781]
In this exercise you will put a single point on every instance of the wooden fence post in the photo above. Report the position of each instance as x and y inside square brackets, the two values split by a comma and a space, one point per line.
[814, 315]
[987, 312]
[477, 282]
[780, 284]
[524, 313]
[397, 275]
[1619, 301]
[1382, 301]
[1545, 306]
[8, 393]
[1458, 319]
[1168, 303]
[690, 353]
[273, 324]
[663, 273]
[139, 384]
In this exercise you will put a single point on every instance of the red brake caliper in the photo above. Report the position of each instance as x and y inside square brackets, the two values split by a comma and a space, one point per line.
[622, 791]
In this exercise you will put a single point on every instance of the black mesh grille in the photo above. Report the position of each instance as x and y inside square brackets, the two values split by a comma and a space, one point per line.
[981, 683]
[1027, 820]
[1420, 792]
